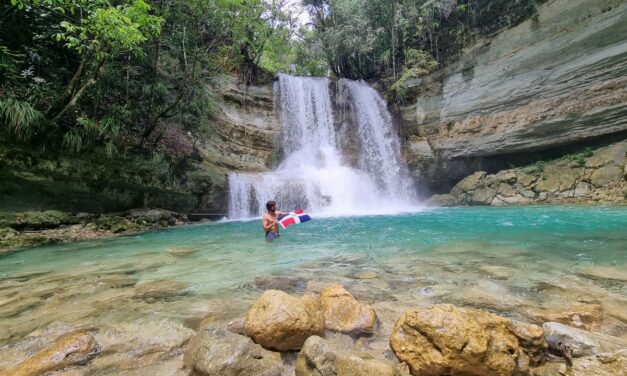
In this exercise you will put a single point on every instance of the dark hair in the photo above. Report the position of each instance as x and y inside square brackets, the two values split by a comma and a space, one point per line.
[270, 204]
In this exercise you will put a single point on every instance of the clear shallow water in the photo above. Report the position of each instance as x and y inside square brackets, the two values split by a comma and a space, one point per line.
[500, 259]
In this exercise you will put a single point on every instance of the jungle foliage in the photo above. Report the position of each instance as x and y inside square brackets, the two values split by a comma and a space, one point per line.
[128, 74]
[117, 73]
[402, 39]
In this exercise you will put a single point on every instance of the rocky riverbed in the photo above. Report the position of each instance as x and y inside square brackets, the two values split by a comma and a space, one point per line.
[33, 228]
[466, 290]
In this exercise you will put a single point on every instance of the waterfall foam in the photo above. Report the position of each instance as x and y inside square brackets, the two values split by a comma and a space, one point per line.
[314, 173]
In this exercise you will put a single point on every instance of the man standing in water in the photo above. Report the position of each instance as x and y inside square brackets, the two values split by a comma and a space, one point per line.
[269, 221]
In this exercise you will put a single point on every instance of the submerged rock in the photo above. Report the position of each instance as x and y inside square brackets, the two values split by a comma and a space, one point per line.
[216, 351]
[161, 290]
[343, 313]
[583, 316]
[282, 283]
[279, 321]
[67, 350]
[366, 274]
[462, 341]
[319, 357]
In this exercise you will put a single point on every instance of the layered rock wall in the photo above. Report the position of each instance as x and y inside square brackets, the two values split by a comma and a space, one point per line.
[556, 79]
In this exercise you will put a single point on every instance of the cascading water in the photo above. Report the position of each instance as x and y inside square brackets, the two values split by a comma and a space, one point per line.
[314, 174]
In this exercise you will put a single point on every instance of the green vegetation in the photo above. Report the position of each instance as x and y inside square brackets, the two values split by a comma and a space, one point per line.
[124, 74]
[128, 74]
[398, 40]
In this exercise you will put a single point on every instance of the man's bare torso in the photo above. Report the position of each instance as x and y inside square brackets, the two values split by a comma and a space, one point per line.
[268, 219]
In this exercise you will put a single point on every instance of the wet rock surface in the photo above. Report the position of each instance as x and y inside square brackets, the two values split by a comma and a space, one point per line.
[319, 357]
[216, 351]
[445, 339]
[282, 322]
[343, 313]
[34, 228]
[605, 364]
[67, 350]
[580, 342]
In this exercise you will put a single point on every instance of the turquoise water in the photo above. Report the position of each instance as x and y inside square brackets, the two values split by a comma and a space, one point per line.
[500, 259]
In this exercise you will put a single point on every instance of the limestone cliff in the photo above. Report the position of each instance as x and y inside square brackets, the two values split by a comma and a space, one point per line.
[247, 130]
[556, 79]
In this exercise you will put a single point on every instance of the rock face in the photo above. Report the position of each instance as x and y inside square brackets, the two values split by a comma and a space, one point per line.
[461, 341]
[319, 357]
[67, 350]
[279, 321]
[216, 351]
[248, 130]
[343, 313]
[586, 177]
[555, 79]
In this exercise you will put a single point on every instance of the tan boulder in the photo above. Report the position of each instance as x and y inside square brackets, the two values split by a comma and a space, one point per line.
[69, 349]
[556, 178]
[606, 175]
[282, 322]
[217, 351]
[319, 357]
[482, 196]
[343, 313]
[468, 183]
[447, 340]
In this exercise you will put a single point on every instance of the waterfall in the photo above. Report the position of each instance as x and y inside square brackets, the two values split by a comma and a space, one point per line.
[315, 174]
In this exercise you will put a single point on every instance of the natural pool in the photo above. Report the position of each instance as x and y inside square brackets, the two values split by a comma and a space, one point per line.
[522, 262]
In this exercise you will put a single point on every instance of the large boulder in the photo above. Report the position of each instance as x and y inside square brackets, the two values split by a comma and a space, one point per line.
[447, 340]
[279, 321]
[67, 350]
[217, 351]
[343, 313]
[319, 357]
[469, 183]
[482, 196]
[606, 175]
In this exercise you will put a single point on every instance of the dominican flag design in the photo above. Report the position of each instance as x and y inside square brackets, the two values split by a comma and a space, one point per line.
[292, 218]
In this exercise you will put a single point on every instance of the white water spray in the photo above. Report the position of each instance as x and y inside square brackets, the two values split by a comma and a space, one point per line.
[314, 174]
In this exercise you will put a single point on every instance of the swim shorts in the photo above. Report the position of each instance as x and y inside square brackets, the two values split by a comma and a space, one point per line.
[271, 235]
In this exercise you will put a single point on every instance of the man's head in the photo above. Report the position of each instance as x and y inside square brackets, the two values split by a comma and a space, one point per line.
[271, 206]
